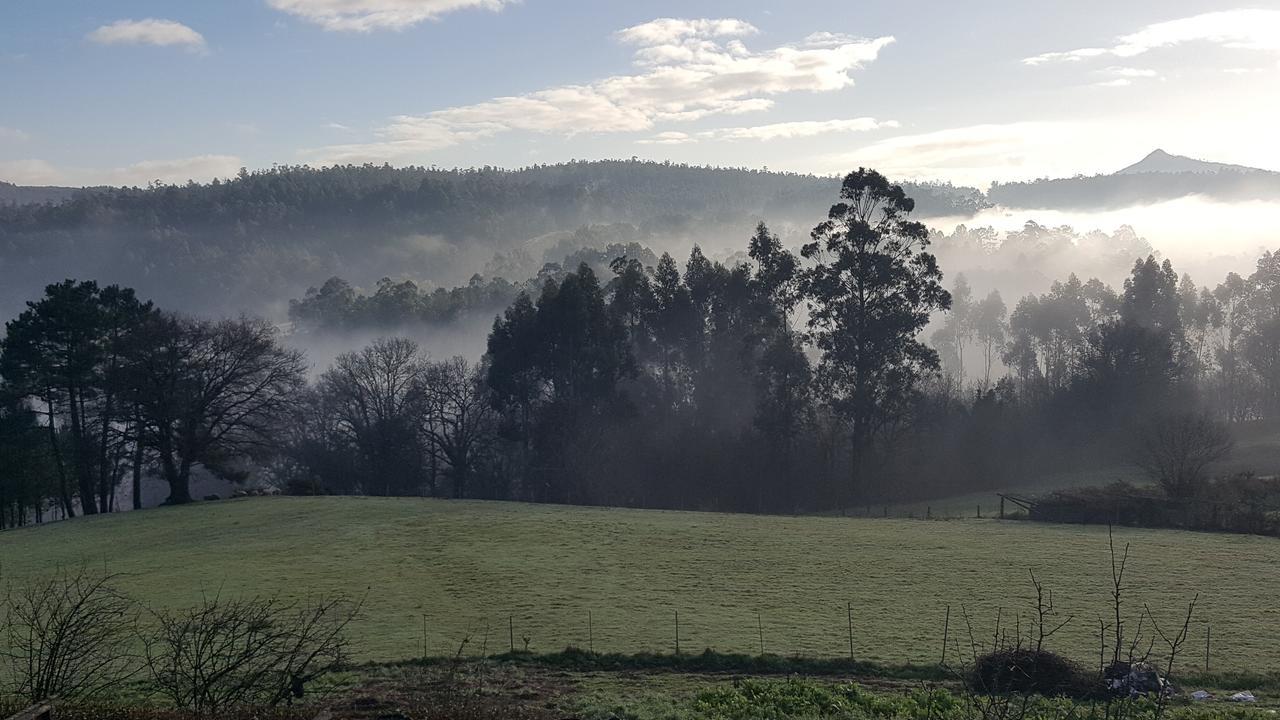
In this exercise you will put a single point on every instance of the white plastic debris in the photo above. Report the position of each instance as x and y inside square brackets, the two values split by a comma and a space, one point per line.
[1243, 696]
[1201, 695]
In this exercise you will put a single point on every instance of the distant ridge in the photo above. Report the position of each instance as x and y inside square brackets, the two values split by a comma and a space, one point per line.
[11, 194]
[1160, 161]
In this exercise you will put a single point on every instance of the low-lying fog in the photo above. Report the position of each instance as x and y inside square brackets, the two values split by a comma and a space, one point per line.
[1202, 237]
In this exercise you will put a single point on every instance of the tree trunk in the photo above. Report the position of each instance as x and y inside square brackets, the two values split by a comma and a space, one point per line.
[105, 472]
[137, 469]
[88, 496]
[64, 492]
[177, 475]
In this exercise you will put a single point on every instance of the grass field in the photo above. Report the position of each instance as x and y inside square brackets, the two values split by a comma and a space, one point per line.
[468, 566]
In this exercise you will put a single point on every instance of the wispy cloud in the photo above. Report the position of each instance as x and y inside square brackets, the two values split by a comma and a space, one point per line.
[1125, 76]
[369, 15]
[773, 131]
[974, 154]
[201, 168]
[29, 172]
[1248, 29]
[685, 70]
[162, 33]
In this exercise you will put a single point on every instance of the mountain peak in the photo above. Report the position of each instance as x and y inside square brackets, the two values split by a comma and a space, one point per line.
[1159, 161]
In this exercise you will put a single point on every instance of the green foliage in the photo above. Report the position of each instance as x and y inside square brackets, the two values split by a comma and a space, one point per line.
[767, 700]
[871, 289]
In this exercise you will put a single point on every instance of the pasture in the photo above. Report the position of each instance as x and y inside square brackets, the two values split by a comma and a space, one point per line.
[615, 579]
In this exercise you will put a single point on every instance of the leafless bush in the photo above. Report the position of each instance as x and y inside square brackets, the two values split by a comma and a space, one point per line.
[225, 654]
[1176, 451]
[1003, 679]
[68, 635]
[1002, 675]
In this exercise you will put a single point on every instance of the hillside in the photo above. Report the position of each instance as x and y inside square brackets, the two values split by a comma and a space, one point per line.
[1160, 161]
[251, 243]
[466, 568]
[1158, 177]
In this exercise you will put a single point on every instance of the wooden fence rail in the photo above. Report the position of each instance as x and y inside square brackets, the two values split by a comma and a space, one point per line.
[39, 711]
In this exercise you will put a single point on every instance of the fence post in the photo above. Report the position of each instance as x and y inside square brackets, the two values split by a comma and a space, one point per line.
[1001, 507]
[760, 629]
[677, 633]
[1207, 630]
[946, 630]
[591, 635]
[848, 611]
[511, 632]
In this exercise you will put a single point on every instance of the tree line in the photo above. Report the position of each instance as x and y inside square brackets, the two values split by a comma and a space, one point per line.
[786, 381]
[101, 387]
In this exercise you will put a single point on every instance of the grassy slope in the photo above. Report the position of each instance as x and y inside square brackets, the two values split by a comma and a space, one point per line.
[468, 565]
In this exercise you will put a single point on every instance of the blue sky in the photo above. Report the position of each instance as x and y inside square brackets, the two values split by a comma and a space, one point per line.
[126, 91]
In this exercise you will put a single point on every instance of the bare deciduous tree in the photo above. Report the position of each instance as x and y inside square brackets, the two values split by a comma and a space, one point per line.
[68, 635]
[213, 393]
[376, 397]
[460, 422]
[1177, 449]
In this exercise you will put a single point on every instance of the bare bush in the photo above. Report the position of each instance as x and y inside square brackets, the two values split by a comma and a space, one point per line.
[68, 635]
[226, 654]
[1177, 449]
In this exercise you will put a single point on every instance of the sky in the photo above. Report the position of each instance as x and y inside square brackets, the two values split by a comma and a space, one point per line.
[134, 91]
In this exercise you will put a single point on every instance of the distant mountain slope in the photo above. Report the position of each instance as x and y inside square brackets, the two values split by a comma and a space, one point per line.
[1160, 161]
[253, 242]
[1158, 177]
[11, 194]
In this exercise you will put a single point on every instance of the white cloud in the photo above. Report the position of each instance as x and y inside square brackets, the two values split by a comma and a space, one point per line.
[1068, 56]
[773, 131]
[808, 128]
[1125, 76]
[1241, 28]
[13, 134]
[201, 168]
[975, 154]
[368, 15]
[29, 172]
[672, 31]
[686, 70]
[148, 32]
[669, 138]
[1129, 72]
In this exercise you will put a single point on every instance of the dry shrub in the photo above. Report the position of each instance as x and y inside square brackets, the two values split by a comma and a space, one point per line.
[67, 635]
[1031, 671]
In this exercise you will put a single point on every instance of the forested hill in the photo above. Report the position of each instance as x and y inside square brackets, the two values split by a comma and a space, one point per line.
[266, 236]
[1156, 178]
